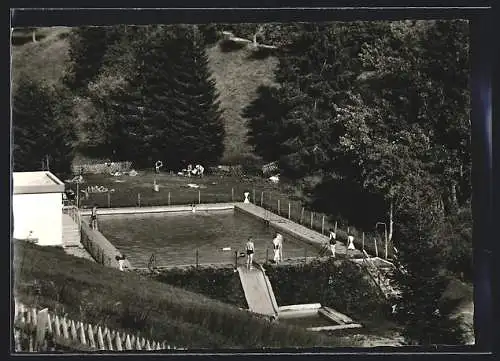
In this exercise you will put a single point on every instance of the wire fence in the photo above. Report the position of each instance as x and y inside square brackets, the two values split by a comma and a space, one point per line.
[271, 199]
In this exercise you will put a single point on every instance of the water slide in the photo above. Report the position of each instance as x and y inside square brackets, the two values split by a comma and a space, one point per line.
[258, 291]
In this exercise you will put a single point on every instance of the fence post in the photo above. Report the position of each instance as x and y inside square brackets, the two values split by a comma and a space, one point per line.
[312, 219]
[323, 224]
[363, 241]
[279, 207]
[168, 198]
[376, 247]
[139, 199]
[199, 197]
[197, 257]
[261, 199]
[109, 200]
[232, 194]
[301, 215]
[289, 210]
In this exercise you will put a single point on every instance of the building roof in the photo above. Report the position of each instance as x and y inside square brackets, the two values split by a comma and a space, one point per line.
[36, 182]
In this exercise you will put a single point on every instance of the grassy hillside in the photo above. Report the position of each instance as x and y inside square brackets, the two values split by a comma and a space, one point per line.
[44, 60]
[238, 76]
[236, 73]
[87, 291]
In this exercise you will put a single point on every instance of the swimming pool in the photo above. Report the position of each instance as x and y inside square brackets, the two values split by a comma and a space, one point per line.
[175, 238]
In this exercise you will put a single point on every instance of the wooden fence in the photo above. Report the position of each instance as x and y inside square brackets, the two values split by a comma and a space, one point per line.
[99, 168]
[42, 330]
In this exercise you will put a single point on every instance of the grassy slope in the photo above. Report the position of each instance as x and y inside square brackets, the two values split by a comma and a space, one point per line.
[237, 78]
[44, 60]
[92, 293]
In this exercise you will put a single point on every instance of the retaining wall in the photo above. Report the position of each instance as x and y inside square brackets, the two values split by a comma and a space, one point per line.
[100, 248]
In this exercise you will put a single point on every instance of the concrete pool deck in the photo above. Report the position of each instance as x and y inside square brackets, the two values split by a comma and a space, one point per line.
[203, 207]
[292, 228]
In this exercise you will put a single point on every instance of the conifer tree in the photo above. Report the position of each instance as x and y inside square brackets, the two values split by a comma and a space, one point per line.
[39, 130]
[169, 109]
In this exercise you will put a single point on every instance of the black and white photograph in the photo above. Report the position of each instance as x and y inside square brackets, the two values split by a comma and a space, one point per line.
[241, 186]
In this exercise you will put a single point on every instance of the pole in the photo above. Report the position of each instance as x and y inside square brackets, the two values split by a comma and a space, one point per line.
[199, 197]
[109, 200]
[301, 215]
[305, 255]
[289, 210]
[335, 230]
[139, 199]
[253, 196]
[386, 242]
[312, 219]
[77, 195]
[279, 207]
[197, 257]
[323, 225]
[261, 198]
[376, 248]
[236, 259]
[267, 255]
[363, 240]
[232, 194]
[168, 198]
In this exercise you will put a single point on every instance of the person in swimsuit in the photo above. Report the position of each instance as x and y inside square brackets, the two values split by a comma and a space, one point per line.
[332, 242]
[250, 248]
[93, 217]
[276, 248]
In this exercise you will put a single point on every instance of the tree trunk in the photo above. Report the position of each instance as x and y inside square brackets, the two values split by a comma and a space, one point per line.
[454, 200]
[391, 221]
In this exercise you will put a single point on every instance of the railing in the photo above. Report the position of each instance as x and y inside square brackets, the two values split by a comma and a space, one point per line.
[380, 280]
[41, 330]
[74, 213]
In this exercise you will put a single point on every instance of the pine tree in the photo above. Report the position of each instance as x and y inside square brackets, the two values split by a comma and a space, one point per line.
[169, 109]
[39, 130]
[200, 133]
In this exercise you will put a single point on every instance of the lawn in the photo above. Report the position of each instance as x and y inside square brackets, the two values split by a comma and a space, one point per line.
[47, 277]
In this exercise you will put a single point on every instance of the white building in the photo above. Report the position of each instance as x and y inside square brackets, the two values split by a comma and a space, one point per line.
[37, 207]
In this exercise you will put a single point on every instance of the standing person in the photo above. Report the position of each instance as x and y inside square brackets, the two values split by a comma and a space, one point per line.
[276, 248]
[93, 217]
[350, 240]
[121, 261]
[250, 247]
[332, 242]
[281, 246]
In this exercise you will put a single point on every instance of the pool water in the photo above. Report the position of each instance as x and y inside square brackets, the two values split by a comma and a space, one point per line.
[174, 238]
[315, 320]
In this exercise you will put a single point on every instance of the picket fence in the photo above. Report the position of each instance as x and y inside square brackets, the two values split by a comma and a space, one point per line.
[35, 330]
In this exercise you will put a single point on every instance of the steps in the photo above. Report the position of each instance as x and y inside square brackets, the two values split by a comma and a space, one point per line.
[71, 232]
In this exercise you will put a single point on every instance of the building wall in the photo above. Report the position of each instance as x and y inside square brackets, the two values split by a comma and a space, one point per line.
[40, 213]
